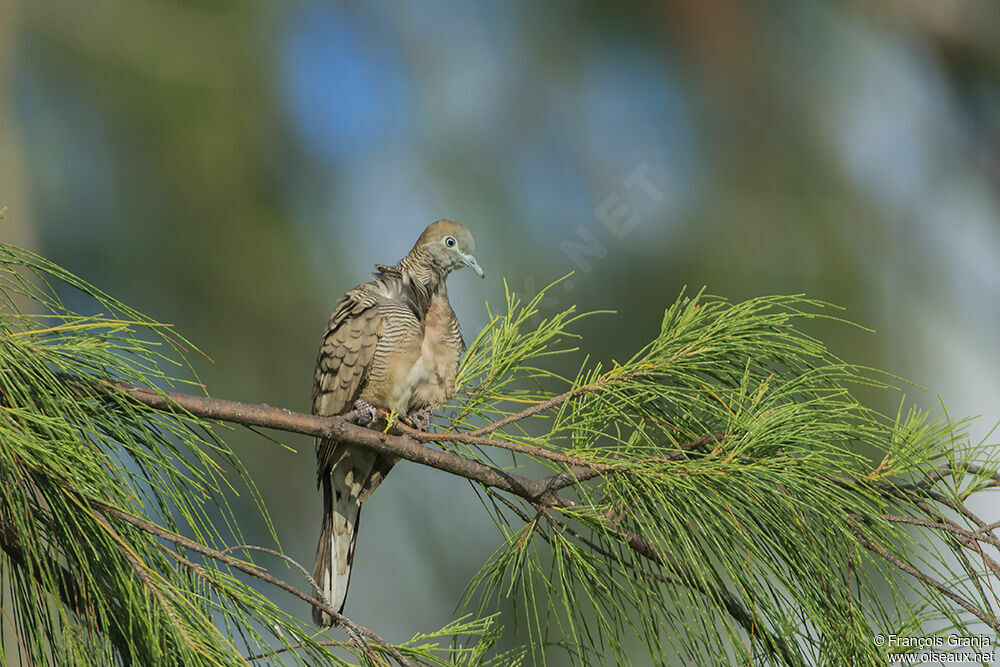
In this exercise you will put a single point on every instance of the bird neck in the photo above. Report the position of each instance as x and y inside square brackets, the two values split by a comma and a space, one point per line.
[418, 268]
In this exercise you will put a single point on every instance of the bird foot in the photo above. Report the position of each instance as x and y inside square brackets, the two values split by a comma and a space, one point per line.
[367, 413]
[421, 419]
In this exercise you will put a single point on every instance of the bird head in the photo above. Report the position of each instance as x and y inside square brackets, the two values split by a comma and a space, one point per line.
[449, 246]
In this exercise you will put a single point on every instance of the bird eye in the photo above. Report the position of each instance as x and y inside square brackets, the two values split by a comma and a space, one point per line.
[450, 241]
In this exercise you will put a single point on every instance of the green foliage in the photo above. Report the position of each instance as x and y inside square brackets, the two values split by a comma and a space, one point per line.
[719, 500]
[79, 585]
[733, 447]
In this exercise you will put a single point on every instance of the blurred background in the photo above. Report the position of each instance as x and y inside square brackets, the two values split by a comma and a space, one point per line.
[231, 167]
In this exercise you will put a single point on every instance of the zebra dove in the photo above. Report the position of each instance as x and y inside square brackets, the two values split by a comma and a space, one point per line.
[392, 344]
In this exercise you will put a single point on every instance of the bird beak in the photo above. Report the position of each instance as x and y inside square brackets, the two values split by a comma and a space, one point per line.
[471, 262]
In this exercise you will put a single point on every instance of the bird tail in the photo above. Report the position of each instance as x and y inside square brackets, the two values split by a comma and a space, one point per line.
[335, 551]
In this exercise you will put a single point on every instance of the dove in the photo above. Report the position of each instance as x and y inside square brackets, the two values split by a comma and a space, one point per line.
[392, 344]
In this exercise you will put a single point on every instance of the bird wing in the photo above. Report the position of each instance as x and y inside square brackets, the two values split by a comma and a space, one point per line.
[342, 369]
[344, 361]
[346, 353]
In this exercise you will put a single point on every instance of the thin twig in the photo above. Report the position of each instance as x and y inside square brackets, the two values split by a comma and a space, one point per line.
[251, 570]
[961, 538]
[930, 581]
[988, 528]
[737, 611]
[553, 402]
[949, 469]
[910, 495]
[520, 514]
[968, 542]
[200, 571]
[529, 411]
[274, 552]
[468, 438]
[949, 527]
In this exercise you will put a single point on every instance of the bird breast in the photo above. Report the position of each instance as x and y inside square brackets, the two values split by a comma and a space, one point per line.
[429, 380]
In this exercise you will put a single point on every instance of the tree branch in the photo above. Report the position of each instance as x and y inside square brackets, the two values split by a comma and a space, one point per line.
[337, 428]
[541, 493]
[407, 445]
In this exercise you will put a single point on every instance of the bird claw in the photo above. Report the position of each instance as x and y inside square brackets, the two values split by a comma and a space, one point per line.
[421, 419]
[367, 413]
